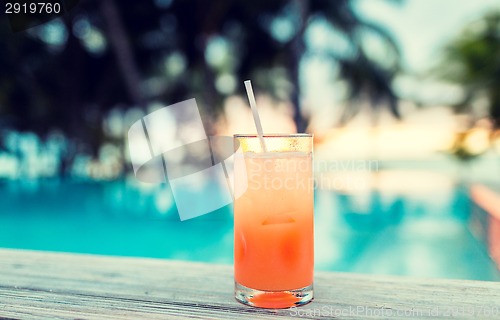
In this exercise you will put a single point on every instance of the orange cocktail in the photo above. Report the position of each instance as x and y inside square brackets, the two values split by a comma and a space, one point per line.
[273, 221]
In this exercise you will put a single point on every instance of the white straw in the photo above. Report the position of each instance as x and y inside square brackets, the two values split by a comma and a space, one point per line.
[256, 118]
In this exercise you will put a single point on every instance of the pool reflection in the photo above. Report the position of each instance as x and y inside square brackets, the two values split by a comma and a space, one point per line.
[425, 233]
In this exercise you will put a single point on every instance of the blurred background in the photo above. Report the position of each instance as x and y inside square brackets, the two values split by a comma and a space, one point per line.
[403, 98]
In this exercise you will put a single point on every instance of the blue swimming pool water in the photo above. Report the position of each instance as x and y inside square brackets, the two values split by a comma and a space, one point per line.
[371, 232]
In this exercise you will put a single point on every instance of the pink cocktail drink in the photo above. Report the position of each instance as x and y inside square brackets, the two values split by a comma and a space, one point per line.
[273, 222]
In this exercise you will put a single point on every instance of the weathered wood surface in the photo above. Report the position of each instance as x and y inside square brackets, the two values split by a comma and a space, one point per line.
[41, 285]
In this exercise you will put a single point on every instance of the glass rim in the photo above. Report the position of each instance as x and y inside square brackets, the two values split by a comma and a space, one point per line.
[274, 135]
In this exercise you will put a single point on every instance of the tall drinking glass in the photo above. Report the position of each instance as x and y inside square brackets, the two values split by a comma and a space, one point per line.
[273, 221]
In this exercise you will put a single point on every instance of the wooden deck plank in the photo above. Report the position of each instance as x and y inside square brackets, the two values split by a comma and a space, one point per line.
[42, 285]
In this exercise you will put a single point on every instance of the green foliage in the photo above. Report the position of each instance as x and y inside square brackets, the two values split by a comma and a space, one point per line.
[473, 60]
[70, 73]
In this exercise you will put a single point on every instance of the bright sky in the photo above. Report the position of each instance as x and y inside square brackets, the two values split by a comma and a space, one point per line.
[424, 27]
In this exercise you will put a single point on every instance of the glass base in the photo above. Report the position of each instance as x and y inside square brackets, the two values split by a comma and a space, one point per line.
[273, 299]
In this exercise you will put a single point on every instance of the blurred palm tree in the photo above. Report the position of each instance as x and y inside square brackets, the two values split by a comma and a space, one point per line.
[255, 46]
[473, 60]
[69, 73]
[260, 44]
[367, 76]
